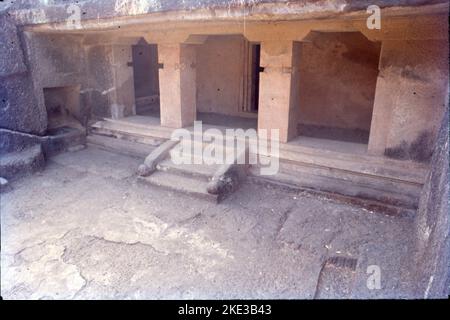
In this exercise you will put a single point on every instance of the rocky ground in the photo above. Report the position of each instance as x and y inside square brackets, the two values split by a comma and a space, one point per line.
[86, 229]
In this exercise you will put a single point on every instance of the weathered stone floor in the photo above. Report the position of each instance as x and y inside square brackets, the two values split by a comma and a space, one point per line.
[85, 229]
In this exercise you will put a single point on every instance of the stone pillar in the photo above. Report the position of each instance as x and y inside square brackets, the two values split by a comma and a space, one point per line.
[122, 100]
[410, 98]
[278, 92]
[177, 83]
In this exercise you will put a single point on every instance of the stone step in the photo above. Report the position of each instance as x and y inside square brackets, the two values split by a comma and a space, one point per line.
[148, 131]
[193, 179]
[342, 187]
[190, 185]
[201, 145]
[129, 132]
[393, 182]
[150, 125]
[377, 182]
[396, 170]
[228, 154]
[21, 163]
[134, 149]
[202, 171]
[207, 159]
[356, 162]
[331, 170]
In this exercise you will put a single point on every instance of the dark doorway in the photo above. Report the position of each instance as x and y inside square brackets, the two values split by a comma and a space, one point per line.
[63, 107]
[146, 79]
[255, 57]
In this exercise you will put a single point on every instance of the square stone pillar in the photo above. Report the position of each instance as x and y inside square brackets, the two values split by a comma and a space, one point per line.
[279, 90]
[410, 99]
[177, 84]
[121, 94]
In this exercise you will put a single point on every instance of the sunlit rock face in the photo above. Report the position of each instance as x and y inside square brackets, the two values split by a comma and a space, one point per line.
[432, 224]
